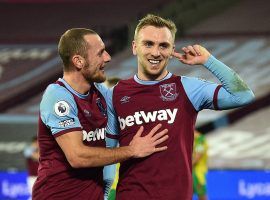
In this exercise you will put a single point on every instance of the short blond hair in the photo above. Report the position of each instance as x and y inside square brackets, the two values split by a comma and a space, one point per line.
[156, 21]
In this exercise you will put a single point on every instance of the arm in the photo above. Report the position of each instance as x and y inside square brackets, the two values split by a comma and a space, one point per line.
[69, 136]
[80, 155]
[234, 91]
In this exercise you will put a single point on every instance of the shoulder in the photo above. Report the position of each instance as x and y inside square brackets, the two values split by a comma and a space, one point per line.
[193, 84]
[56, 90]
[191, 80]
[54, 94]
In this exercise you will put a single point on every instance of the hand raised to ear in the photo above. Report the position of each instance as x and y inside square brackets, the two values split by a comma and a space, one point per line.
[193, 55]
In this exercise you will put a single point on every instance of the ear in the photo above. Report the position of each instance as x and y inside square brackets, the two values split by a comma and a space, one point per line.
[78, 61]
[134, 50]
[173, 50]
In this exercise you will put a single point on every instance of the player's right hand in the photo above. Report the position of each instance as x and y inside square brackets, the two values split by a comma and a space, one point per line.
[147, 145]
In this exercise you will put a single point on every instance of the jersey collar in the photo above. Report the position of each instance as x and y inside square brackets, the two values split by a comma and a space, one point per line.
[169, 75]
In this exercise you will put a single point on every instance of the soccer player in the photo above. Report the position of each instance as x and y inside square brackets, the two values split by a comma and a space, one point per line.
[72, 123]
[154, 95]
[199, 165]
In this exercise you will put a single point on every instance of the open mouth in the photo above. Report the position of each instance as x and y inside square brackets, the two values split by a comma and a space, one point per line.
[154, 62]
[102, 69]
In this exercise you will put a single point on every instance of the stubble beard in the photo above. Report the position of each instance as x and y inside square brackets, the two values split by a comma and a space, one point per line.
[93, 77]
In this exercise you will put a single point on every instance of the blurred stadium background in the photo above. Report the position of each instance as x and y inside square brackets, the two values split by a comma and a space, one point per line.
[235, 31]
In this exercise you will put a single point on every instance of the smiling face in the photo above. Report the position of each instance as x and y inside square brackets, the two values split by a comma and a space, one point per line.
[95, 60]
[153, 47]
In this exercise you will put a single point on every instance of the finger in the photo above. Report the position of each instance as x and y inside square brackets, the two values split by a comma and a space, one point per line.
[160, 140]
[161, 149]
[186, 50]
[139, 132]
[177, 55]
[160, 134]
[191, 49]
[197, 49]
[154, 130]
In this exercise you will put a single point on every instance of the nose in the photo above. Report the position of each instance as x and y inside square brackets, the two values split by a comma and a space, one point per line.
[155, 52]
[107, 57]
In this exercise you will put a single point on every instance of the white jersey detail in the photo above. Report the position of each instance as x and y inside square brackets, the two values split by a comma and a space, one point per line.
[98, 134]
[141, 117]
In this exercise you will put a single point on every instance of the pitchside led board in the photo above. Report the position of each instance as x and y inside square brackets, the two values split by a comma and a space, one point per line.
[222, 185]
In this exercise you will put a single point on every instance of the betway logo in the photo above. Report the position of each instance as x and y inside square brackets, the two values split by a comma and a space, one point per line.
[142, 117]
[98, 134]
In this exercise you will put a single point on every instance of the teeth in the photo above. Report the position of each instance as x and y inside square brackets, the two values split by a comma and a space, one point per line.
[154, 61]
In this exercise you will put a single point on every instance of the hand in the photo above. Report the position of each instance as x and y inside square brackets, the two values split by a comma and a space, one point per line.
[193, 55]
[145, 146]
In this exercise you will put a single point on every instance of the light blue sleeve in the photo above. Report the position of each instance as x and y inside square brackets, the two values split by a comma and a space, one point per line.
[199, 92]
[58, 109]
[112, 125]
[233, 92]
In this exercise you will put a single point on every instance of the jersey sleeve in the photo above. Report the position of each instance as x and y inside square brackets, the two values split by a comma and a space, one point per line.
[112, 128]
[200, 92]
[58, 110]
[233, 92]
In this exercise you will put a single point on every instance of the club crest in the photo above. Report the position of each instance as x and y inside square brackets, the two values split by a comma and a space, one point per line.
[168, 92]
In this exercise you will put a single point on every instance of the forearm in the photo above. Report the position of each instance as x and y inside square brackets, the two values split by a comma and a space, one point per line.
[98, 156]
[231, 82]
[80, 155]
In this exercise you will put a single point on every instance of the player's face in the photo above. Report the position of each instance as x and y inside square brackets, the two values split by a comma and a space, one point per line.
[97, 57]
[153, 47]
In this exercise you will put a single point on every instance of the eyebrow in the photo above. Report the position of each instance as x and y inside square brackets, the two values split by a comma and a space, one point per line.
[165, 44]
[147, 41]
[152, 42]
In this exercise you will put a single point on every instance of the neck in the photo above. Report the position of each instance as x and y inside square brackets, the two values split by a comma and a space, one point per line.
[77, 82]
[152, 77]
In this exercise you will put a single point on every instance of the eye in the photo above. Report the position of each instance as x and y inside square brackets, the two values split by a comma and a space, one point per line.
[164, 46]
[148, 44]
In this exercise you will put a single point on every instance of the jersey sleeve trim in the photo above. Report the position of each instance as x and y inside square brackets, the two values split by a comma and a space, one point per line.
[66, 131]
[215, 99]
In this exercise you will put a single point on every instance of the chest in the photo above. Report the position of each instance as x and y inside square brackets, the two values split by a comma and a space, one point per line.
[143, 104]
[93, 119]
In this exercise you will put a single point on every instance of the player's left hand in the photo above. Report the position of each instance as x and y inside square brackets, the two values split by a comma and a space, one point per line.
[193, 55]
